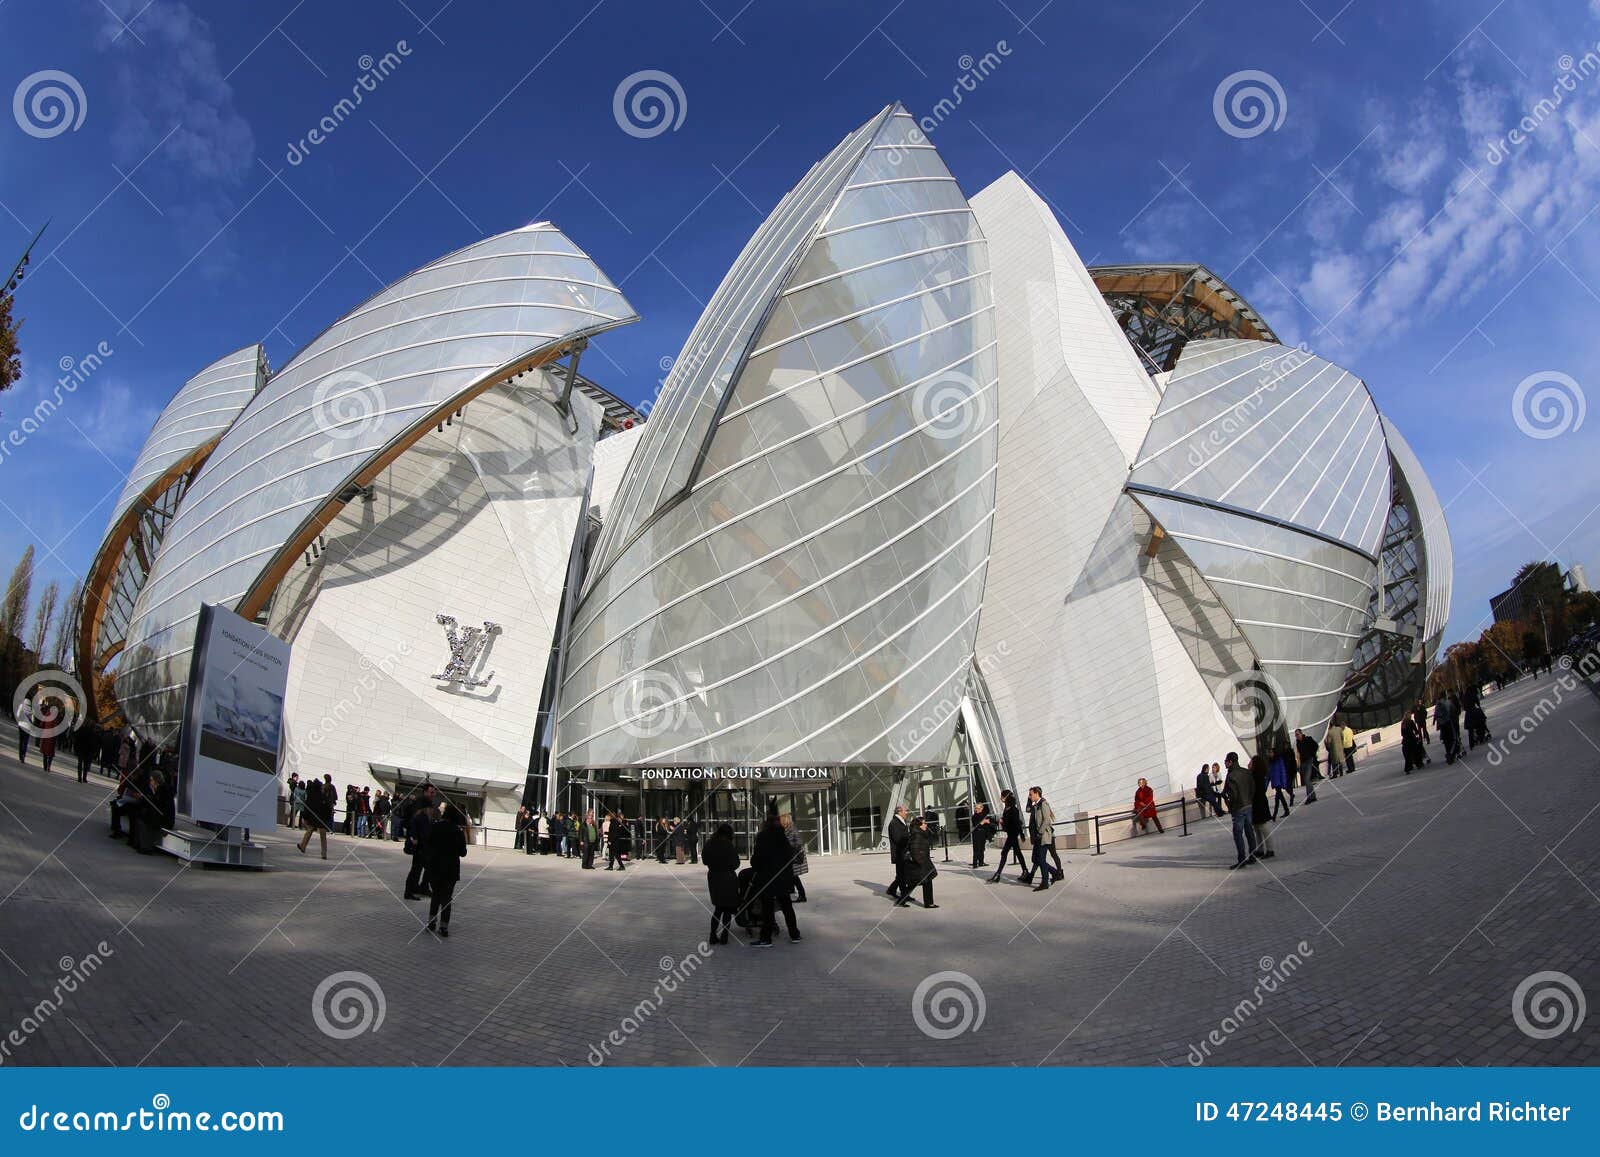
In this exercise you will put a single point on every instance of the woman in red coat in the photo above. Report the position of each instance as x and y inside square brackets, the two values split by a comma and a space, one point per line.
[1144, 809]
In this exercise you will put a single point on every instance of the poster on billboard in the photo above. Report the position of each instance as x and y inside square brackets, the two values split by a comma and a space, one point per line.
[232, 723]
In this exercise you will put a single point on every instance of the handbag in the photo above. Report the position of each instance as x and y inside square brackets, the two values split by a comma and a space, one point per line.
[409, 847]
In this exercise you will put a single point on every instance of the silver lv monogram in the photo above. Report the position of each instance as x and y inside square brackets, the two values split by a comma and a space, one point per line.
[466, 646]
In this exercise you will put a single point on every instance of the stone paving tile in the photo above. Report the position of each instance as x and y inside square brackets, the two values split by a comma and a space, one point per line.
[1423, 901]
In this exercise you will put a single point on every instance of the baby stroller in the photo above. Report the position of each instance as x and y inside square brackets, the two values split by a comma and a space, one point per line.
[748, 914]
[1477, 726]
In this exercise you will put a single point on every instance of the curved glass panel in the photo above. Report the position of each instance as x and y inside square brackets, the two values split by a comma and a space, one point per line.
[814, 595]
[368, 383]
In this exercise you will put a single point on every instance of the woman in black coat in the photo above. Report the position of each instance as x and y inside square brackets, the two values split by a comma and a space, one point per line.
[1011, 825]
[621, 839]
[918, 864]
[1260, 809]
[722, 880]
[447, 844]
[773, 880]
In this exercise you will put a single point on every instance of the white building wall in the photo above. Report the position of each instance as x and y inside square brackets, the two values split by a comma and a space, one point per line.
[475, 522]
[1195, 729]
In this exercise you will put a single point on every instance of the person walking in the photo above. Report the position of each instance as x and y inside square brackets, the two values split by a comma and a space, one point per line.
[1239, 793]
[1011, 825]
[898, 829]
[47, 749]
[24, 721]
[1278, 777]
[1144, 808]
[297, 800]
[1306, 751]
[619, 843]
[85, 744]
[919, 866]
[1349, 739]
[316, 816]
[445, 847]
[797, 864]
[1334, 742]
[1411, 746]
[722, 880]
[418, 828]
[983, 829]
[773, 880]
[520, 825]
[1042, 831]
[1260, 809]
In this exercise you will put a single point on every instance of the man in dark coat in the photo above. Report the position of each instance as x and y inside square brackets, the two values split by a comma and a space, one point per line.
[1239, 792]
[982, 832]
[773, 880]
[691, 836]
[444, 846]
[898, 830]
[617, 846]
[417, 831]
[917, 861]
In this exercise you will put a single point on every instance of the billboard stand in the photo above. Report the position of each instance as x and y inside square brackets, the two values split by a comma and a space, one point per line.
[228, 751]
[226, 846]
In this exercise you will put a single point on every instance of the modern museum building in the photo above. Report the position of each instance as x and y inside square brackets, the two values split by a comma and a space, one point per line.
[925, 509]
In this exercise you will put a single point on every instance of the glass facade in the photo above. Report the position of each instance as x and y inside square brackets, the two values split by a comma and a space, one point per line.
[815, 591]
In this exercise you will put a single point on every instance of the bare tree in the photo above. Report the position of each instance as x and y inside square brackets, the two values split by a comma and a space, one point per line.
[67, 636]
[44, 617]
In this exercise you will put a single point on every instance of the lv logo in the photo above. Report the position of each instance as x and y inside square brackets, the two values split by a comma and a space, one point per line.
[466, 647]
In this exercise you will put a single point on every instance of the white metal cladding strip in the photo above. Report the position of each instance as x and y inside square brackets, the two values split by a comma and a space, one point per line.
[877, 353]
[726, 325]
[1231, 443]
[826, 233]
[816, 281]
[787, 599]
[1332, 459]
[1267, 553]
[582, 626]
[1200, 349]
[1360, 610]
[1311, 454]
[861, 409]
[856, 662]
[1190, 431]
[900, 181]
[1381, 458]
[769, 556]
[1355, 460]
[1272, 451]
[769, 660]
[937, 687]
[1294, 627]
[981, 275]
[208, 388]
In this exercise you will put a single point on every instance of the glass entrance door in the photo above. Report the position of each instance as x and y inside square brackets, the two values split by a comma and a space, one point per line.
[812, 816]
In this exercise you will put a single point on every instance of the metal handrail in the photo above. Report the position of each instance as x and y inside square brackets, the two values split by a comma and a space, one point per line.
[1181, 803]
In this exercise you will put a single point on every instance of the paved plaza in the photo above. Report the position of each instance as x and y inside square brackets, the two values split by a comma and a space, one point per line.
[1394, 927]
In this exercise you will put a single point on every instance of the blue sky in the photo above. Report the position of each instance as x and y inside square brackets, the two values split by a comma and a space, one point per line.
[1385, 219]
